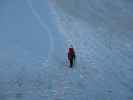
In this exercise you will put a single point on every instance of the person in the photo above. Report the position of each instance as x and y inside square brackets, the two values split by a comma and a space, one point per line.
[71, 56]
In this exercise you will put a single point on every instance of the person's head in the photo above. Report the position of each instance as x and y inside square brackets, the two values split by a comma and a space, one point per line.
[71, 46]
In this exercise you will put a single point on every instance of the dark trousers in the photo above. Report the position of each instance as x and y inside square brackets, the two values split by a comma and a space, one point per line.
[72, 61]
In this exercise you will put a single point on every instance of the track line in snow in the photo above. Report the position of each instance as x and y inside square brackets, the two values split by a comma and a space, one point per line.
[45, 27]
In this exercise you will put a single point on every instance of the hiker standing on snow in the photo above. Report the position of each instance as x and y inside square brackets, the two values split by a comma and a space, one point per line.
[71, 56]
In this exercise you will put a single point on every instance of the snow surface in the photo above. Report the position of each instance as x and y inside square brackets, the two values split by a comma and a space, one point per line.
[35, 35]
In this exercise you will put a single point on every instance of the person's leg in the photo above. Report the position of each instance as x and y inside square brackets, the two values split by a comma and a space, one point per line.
[74, 59]
[71, 63]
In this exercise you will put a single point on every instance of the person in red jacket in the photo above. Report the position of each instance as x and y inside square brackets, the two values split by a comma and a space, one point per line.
[71, 56]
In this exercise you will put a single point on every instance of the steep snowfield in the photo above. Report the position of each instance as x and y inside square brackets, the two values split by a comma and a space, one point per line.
[101, 32]
[35, 35]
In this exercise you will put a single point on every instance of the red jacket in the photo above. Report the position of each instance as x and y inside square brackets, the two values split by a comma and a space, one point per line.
[70, 53]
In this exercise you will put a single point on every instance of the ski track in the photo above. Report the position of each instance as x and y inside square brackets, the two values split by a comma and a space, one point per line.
[45, 27]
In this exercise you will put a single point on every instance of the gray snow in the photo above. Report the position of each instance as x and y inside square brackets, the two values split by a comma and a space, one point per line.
[35, 35]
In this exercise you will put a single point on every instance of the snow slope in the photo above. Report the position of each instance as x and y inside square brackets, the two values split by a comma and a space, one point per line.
[35, 34]
[101, 32]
